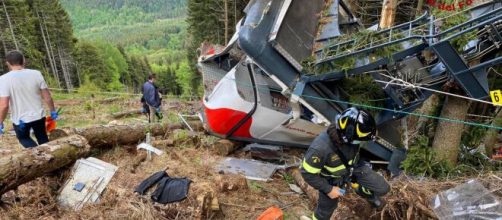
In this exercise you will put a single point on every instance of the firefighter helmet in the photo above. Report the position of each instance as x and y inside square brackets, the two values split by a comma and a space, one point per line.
[355, 125]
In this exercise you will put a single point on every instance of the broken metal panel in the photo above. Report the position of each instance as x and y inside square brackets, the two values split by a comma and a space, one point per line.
[91, 173]
[251, 169]
[331, 30]
[295, 38]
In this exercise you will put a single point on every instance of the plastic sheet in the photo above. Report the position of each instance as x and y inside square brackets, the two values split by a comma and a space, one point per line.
[467, 201]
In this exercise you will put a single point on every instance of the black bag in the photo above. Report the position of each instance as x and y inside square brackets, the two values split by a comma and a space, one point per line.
[168, 189]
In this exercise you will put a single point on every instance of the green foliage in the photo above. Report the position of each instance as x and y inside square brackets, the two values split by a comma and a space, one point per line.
[254, 186]
[288, 178]
[88, 89]
[206, 23]
[451, 21]
[473, 136]
[185, 78]
[362, 89]
[24, 32]
[153, 28]
[422, 161]
[92, 65]
[94, 13]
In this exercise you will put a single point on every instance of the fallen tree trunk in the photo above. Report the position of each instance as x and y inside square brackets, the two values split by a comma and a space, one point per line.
[112, 135]
[29, 164]
[119, 115]
[312, 194]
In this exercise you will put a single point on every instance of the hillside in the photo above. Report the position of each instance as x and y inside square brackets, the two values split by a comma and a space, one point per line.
[153, 28]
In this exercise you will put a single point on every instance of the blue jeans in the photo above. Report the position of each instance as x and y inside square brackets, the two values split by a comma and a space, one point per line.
[23, 133]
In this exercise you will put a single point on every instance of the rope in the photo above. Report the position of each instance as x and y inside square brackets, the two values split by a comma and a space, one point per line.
[121, 93]
[407, 113]
[409, 85]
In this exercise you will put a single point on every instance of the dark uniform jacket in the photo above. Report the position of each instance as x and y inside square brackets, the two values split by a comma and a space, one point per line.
[322, 168]
[151, 94]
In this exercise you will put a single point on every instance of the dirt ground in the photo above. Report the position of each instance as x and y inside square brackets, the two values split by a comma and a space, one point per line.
[191, 156]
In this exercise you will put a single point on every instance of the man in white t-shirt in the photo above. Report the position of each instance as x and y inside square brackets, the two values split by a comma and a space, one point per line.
[22, 91]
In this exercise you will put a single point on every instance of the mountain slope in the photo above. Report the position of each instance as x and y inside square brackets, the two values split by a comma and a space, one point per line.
[153, 28]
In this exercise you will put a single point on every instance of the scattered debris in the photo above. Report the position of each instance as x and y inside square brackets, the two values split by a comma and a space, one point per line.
[467, 201]
[269, 153]
[251, 169]
[295, 188]
[149, 149]
[89, 179]
[182, 117]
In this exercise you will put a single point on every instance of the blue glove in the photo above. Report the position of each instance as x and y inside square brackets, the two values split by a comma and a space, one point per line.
[342, 191]
[54, 115]
[158, 110]
[1, 128]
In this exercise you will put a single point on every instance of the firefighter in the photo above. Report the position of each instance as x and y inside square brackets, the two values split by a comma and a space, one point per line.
[332, 162]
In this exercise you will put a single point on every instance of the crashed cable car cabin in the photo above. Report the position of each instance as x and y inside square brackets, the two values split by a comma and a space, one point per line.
[257, 90]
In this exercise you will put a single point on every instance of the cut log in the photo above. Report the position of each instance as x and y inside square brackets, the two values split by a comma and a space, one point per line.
[29, 164]
[112, 135]
[231, 182]
[119, 115]
[225, 147]
[312, 194]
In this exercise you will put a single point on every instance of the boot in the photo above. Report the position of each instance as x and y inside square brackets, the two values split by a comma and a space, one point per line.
[373, 199]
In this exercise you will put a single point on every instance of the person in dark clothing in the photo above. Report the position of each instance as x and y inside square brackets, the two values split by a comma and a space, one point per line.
[332, 162]
[151, 99]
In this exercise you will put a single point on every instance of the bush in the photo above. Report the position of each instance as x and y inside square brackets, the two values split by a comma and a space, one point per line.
[422, 161]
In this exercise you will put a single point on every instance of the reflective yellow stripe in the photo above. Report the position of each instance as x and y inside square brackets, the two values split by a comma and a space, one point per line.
[310, 169]
[367, 191]
[313, 217]
[338, 168]
[328, 175]
[335, 169]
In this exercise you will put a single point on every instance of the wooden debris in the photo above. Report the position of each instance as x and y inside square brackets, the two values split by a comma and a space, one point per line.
[225, 147]
[231, 182]
[19, 168]
[205, 205]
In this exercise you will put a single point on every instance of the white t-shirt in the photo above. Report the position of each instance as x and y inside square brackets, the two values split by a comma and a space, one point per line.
[24, 89]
